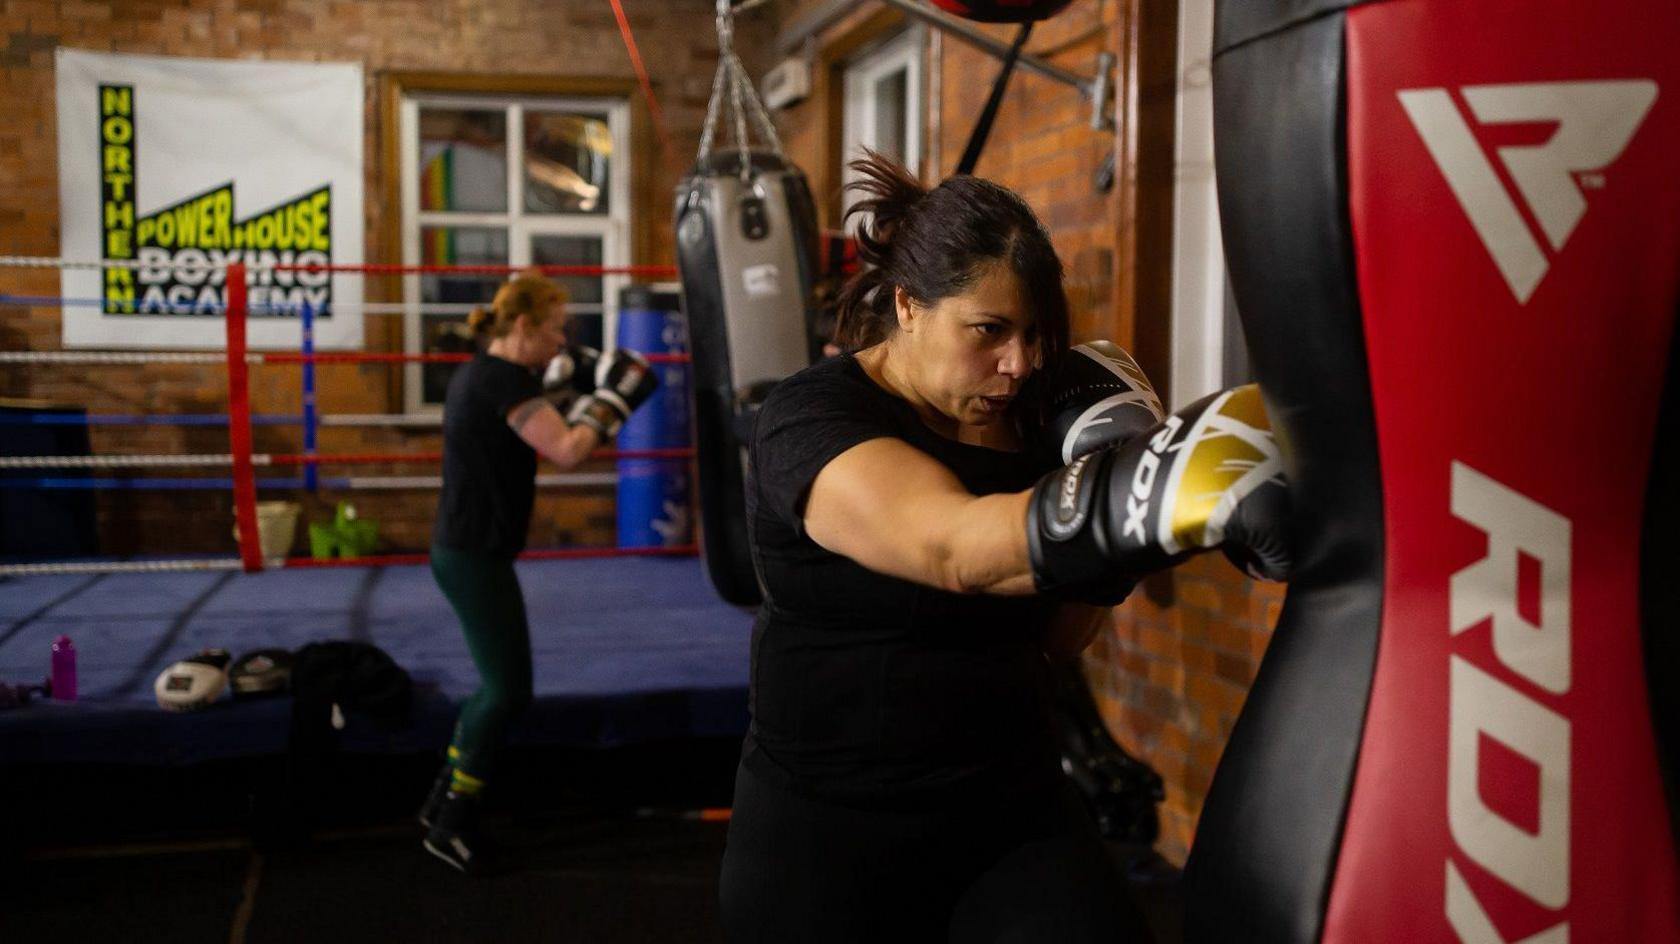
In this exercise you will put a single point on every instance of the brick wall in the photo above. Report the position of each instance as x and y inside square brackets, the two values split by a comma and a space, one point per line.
[1171, 673]
[505, 38]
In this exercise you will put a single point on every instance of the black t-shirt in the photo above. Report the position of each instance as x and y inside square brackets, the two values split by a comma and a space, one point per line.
[489, 473]
[868, 688]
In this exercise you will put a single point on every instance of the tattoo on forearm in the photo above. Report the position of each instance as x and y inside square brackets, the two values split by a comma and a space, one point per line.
[521, 414]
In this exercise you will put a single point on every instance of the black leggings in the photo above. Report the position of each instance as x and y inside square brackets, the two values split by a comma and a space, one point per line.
[484, 590]
[797, 869]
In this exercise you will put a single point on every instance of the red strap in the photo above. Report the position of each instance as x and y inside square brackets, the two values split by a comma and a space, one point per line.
[647, 90]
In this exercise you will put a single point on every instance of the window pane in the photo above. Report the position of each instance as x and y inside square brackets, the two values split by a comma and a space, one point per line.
[447, 332]
[890, 132]
[567, 162]
[553, 250]
[463, 159]
[583, 327]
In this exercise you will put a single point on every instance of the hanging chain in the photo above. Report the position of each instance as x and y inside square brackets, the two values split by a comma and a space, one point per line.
[743, 102]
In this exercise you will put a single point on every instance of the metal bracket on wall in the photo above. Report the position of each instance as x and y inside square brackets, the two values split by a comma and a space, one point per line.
[1095, 89]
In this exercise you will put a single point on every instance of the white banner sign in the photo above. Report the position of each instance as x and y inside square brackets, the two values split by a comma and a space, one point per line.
[191, 161]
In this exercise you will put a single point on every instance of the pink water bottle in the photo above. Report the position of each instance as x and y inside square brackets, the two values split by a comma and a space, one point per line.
[63, 669]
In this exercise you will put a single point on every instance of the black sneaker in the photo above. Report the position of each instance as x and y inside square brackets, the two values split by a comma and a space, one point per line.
[454, 835]
[434, 800]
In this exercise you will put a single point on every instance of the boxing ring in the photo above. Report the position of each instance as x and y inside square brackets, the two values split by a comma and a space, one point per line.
[623, 649]
[630, 644]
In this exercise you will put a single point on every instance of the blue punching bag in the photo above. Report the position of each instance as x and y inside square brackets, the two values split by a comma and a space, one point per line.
[653, 494]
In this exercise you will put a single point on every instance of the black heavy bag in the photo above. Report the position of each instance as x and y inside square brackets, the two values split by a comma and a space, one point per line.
[1453, 235]
[746, 248]
[746, 252]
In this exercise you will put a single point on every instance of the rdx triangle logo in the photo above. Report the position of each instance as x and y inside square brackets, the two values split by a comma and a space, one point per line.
[1595, 121]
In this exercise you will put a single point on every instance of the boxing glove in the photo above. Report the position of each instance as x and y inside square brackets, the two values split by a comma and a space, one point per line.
[570, 374]
[623, 381]
[1208, 476]
[1092, 396]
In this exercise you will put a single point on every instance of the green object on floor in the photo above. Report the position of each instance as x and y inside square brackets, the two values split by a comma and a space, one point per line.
[345, 536]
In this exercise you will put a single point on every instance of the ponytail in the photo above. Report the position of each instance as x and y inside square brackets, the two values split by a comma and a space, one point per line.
[864, 310]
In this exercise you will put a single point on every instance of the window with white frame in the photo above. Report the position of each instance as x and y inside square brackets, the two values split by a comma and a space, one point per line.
[883, 104]
[508, 180]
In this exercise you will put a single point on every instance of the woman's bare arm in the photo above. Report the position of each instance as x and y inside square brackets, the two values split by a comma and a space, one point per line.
[896, 510]
[543, 429]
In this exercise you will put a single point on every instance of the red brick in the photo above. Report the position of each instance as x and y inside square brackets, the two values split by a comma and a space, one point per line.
[1238, 670]
[1199, 657]
[1169, 676]
[1174, 738]
[1228, 637]
[1157, 643]
[1193, 625]
[1198, 594]
[1208, 692]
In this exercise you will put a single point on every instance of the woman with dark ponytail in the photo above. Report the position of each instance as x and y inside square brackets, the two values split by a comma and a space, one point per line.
[497, 418]
[899, 781]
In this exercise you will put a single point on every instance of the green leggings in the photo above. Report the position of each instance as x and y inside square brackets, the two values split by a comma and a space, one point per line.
[485, 594]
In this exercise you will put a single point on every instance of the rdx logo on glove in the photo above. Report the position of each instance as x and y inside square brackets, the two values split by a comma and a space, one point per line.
[1071, 507]
[1143, 480]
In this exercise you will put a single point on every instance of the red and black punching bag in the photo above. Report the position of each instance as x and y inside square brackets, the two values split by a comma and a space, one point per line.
[1453, 234]
[1003, 11]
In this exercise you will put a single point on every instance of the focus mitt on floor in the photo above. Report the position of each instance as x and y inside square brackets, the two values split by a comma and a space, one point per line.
[263, 672]
[190, 684]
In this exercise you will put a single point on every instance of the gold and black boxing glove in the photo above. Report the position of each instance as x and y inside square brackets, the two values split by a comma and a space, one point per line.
[1208, 476]
[623, 381]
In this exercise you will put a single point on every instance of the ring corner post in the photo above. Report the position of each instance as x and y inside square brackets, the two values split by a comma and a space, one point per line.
[239, 421]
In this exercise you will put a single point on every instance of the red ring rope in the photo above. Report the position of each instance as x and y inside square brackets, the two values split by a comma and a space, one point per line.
[388, 268]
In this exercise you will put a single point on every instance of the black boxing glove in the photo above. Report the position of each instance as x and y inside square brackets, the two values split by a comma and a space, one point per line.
[623, 381]
[570, 374]
[1091, 397]
[1210, 476]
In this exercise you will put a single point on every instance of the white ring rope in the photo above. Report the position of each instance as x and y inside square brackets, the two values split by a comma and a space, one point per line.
[382, 419]
[114, 357]
[124, 462]
[55, 262]
[184, 357]
[419, 420]
[121, 567]
[266, 460]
